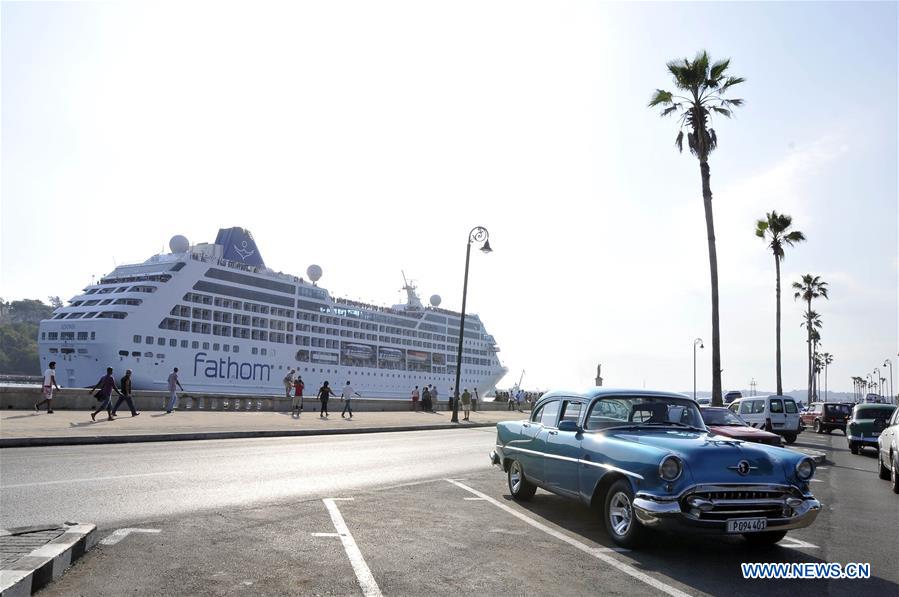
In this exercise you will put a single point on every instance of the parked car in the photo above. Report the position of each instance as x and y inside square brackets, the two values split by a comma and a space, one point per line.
[777, 414]
[703, 401]
[888, 451]
[647, 461]
[721, 421]
[866, 424]
[824, 417]
[731, 396]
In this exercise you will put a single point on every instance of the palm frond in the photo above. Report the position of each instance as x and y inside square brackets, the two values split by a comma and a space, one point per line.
[670, 109]
[679, 141]
[717, 70]
[723, 111]
[661, 97]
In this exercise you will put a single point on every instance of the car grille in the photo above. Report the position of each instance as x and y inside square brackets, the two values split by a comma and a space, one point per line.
[741, 502]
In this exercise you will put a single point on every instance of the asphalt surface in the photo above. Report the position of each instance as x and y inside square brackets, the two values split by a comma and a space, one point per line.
[253, 517]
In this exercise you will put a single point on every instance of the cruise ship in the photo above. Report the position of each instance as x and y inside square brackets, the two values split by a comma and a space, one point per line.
[233, 326]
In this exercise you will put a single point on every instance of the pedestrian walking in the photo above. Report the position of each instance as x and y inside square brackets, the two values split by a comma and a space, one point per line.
[434, 398]
[426, 397]
[466, 403]
[297, 404]
[474, 400]
[347, 397]
[518, 396]
[125, 386]
[415, 398]
[174, 384]
[106, 387]
[324, 393]
[47, 388]
[511, 405]
[288, 382]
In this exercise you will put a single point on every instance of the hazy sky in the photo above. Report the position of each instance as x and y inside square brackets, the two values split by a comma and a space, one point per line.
[370, 137]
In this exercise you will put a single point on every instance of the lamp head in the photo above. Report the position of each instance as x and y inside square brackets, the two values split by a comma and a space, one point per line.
[486, 248]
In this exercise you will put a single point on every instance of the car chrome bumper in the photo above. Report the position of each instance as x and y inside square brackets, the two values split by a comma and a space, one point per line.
[668, 516]
[860, 439]
[494, 458]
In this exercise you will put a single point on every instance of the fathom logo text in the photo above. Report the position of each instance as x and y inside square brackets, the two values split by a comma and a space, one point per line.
[228, 369]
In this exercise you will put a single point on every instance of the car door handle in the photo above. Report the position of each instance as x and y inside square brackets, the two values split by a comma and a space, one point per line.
[554, 433]
[525, 424]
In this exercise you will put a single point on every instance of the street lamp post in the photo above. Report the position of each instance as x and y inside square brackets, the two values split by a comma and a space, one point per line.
[477, 234]
[870, 383]
[889, 363]
[877, 381]
[696, 342]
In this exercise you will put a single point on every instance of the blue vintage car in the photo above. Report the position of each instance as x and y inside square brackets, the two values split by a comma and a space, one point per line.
[646, 461]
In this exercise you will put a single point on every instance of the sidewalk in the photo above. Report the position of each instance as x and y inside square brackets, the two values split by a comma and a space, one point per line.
[25, 428]
[32, 557]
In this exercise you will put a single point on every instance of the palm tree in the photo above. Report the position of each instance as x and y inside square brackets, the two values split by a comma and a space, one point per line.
[810, 288]
[812, 323]
[700, 86]
[776, 227]
[827, 360]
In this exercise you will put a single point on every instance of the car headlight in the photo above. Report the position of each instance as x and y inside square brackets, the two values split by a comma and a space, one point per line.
[805, 468]
[670, 468]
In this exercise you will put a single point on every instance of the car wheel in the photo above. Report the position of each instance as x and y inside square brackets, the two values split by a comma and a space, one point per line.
[818, 428]
[621, 521]
[829, 430]
[790, 438]
[894, 473]
[767, 538]
[853, 447]
[884, 470]
[521, 489]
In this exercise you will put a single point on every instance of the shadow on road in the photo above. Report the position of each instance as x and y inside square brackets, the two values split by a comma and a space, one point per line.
[710, 564]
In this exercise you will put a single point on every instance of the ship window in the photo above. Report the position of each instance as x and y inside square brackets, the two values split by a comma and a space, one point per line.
[226, 347]
[135, 353]
[159, 355]
[43, 335]
[136, 339]
[67, 335]
[123, 353]
[215, 346]
[173, 343]
[82, 335]
[91, 291]
[148, 354]
[195, 345]
[264, 351]
[254, 350]
[205, 345]
[160, 341]
[236, 348]
[184, 344]
[113, 315]
[177, 267]
[54, 351]
[93, 335]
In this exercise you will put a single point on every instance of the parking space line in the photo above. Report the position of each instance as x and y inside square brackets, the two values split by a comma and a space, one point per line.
[796, 543]
[476, 499]
[326, 534]
[598, 553]
[363, 573]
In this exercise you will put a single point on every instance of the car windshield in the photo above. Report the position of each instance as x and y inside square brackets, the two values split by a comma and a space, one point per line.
[837, 409]
[873, 413]
[644, 411]
[720, 416]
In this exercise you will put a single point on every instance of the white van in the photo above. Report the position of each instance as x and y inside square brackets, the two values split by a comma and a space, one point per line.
[777, 414]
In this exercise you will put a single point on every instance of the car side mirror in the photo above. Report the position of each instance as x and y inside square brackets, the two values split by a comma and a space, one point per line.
[569, 426]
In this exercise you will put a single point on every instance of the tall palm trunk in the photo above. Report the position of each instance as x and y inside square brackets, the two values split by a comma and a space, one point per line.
[780, 389]
[810, 366]
[713, 266]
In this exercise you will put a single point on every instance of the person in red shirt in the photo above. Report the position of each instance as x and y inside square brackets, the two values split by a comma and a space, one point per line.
[415, 396]
[297, 404]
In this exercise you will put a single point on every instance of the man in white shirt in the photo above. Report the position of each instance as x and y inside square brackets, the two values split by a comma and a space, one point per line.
[174, 384]
[347, 397]
[47, 388]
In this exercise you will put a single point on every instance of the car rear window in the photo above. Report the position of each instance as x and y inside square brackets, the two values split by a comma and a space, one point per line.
[790, 407]
[777, 405]
[873, 413]
[837, 409]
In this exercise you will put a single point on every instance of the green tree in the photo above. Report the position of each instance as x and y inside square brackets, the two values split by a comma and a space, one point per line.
[808, 289]
[700, 86]
[775, 228]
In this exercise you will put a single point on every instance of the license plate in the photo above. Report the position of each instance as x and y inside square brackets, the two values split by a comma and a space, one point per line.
[875, 434]
[746, 525]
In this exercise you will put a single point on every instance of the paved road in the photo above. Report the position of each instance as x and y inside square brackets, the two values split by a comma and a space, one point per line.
[410, 531]
[111, 484]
